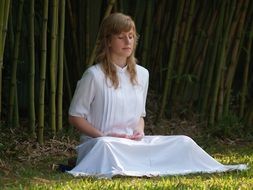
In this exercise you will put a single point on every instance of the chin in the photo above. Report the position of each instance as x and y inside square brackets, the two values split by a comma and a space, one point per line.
[128, 54]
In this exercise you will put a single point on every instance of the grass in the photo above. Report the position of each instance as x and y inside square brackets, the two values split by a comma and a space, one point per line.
[40, 174]
[26, 165]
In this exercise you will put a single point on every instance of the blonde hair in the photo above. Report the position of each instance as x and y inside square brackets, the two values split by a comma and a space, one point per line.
[112, 25]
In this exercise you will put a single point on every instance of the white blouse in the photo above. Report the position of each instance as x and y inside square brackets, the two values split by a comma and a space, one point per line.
[118, 110]
[109, 109]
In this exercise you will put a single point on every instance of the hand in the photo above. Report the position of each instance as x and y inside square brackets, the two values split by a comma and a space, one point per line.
[137, 136]
[117, 135]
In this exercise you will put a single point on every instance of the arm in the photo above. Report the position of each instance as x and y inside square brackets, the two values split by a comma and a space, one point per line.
[84, 126]
[140, 127]
[139, 132]
[137, 135]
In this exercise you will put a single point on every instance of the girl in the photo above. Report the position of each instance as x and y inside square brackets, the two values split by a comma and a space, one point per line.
[108, 109]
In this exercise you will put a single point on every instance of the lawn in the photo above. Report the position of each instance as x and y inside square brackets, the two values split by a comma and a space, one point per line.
[26, 165]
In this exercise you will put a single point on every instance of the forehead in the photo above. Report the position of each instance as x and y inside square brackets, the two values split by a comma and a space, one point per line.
[119, 27]
[131, 31]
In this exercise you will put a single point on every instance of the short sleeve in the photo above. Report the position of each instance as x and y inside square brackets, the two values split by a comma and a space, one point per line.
[145, 91]
[83, 96]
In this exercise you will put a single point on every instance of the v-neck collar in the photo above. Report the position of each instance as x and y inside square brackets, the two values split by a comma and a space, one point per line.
[119, 69]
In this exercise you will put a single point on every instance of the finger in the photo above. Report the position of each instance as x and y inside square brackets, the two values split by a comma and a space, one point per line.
[118, 135]
[136, 137]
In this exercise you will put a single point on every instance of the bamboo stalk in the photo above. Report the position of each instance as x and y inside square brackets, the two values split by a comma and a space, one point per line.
[53, 59]
[31, 70]
[181, 63]
[15, 63]
[2, 3]
[119, 6]
[237, 6]
[67, 80]
[230, 15]
[16, 112]
[87, 33]
[147, 30]
[165, 31]
[193, 56]
[250, 118]
[1, 50]
[5, 21]
[220, 96]
[199, 70]
[11, 41]
[158, 34]
[139, 13]
[81, 29]
[4, 15]
[234, 57]
[171, 60]
[43, 74]
[245, 81]
[67, 85]
[210, 70]
[74, 39]
[60, 68]
[220, 62]
[244, 90]
[249, 115]
[157, 41]
[196, 48]
[107, 12]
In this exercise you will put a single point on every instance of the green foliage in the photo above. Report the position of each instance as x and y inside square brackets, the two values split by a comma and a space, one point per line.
[1, 146]
[190, 78]
[230, 126]
[200, 54]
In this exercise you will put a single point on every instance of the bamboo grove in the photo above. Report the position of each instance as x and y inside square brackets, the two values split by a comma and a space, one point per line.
[198, 52]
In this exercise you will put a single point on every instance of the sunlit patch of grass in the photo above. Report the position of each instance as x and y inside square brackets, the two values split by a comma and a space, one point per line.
[200, 181]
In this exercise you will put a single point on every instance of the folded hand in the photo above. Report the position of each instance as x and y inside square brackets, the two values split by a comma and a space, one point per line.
[136, 136]
[117, 135]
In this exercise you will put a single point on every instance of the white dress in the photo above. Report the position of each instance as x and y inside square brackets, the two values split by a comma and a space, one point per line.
[118, 110]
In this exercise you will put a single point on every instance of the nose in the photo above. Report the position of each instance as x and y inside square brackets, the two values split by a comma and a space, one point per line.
[127, 40]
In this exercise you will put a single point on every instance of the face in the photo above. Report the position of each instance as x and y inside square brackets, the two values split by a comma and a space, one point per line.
[121, 45]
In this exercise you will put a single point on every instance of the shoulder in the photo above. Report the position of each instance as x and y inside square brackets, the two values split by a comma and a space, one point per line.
[90, 79]
[94, 69]
[142, 75]
[93, 72]
[141, 71]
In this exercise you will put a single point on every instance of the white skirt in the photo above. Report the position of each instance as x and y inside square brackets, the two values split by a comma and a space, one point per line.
[152, 156]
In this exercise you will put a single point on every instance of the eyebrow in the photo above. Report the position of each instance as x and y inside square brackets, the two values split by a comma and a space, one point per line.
[122, 33]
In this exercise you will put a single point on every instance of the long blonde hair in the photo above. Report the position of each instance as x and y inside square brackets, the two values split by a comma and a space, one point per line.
[112, 25]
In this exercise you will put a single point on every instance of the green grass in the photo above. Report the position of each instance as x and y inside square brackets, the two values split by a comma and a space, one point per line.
[40, 174]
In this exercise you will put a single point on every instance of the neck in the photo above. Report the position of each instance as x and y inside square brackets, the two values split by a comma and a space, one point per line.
[120, 62]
